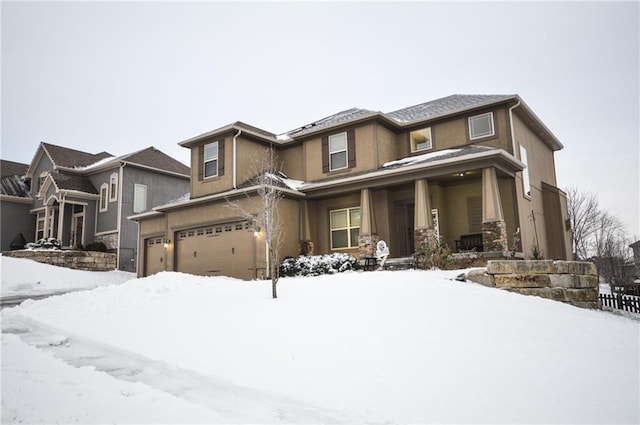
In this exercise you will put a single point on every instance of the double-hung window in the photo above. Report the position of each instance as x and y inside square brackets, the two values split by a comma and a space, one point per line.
[113, 187]
[481, 126]
[338, 151]
[345, 228]
[104, 193]
[211, 160]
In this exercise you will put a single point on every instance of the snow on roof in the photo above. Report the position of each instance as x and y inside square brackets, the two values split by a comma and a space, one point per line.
[420, 158]
[95, 164]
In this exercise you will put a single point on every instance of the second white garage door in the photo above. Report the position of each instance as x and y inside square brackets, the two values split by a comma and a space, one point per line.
[221, 250]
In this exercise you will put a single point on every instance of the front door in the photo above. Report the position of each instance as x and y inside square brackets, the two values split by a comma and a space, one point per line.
[404, 229]
[77, 225]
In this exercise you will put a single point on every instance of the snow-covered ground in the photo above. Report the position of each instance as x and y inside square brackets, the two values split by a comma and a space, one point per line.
[359, 347]
[22, 277]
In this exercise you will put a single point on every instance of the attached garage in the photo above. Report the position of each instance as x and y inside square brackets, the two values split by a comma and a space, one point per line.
[154, 256]
[227, 249]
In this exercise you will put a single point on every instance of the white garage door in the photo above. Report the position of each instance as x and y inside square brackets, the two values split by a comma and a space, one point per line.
[220, 250]
[154, 256]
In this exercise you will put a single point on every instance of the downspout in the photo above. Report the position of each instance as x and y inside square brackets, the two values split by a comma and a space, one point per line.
[513, 134]
[119, 224]
[235, 158]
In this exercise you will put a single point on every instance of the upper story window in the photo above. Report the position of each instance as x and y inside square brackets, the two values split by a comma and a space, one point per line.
[345, 228]
[139, 198]
[113, 187]
[420, 140]
[481, 126]
[211, 160]
[338, 151]
[526, 182]
[104, 191]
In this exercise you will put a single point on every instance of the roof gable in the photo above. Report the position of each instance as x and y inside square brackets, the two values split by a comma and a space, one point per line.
[69, 158]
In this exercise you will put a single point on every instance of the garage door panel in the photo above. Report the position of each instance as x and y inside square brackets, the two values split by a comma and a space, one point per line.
[154, 256]
[221, 250]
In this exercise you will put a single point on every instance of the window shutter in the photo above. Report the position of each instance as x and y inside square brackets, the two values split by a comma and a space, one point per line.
[200, 162]
[221, 158]
[325, 154]
[351, 148]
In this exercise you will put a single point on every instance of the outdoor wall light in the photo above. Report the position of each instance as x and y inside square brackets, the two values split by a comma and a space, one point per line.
[166, 243]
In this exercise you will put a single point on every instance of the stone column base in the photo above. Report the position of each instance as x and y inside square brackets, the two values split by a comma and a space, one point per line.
[367, 245]
[425, 239]
[305, 248]
[494, 236]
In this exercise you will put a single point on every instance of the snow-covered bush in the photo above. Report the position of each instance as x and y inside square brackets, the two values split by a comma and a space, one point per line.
[45, 243]
[318, 264]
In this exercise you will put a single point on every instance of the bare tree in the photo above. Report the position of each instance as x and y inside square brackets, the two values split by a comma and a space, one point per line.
[266, 170]
[584, 211]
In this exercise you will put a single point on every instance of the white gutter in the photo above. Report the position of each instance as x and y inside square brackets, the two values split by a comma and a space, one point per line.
[235, 158]
[513, 134]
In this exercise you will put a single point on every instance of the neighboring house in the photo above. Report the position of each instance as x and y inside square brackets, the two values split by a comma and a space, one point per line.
[80, 198]
[17, 225]
[474, 170]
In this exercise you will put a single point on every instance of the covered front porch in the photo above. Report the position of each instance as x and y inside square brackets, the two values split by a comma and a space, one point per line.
[467, 205]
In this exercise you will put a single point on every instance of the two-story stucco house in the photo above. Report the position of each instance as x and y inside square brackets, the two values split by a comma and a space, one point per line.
[474, 170]
[80, 198]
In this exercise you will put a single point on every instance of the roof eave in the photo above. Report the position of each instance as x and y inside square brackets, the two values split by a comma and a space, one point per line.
[226, 129]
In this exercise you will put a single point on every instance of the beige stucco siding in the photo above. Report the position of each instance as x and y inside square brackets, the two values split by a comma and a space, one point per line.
[320, 221]
[290, 158]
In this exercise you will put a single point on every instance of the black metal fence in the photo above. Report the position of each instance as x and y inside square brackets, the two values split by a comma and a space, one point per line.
[621, 302]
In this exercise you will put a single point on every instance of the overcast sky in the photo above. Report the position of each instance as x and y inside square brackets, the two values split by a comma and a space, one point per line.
[119, 77]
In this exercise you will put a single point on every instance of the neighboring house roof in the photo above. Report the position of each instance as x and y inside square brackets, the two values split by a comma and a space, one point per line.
[10, 168]
[12, 179]
[74, 183]
[445, 106]
[154, 158]
[69, 158]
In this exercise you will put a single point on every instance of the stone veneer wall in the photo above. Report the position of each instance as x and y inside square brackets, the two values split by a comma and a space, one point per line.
[367, 245]
[571, 282]
[81, 260]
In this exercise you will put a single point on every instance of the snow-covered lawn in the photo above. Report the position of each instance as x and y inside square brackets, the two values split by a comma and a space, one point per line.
[22, 277]
[359, 347]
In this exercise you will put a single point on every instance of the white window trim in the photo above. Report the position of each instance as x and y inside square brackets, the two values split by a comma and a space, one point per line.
[345, 150]
[414, 146]
[104, 188]
[349, 228]
[526, 177]
[205, 160]
[113, 193]
[481, 136]
[135, 190]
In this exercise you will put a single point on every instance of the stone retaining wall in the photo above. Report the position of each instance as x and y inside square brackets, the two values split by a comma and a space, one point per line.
[571, 282]
[81, 260]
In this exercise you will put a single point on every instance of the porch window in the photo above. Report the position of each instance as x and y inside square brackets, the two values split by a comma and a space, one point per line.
[40, 226]
[481, 126]
[211, 160]
[338, 151]
[113, 187]
[420, 139]
[345, 228]
[139, 198]
[104, 190]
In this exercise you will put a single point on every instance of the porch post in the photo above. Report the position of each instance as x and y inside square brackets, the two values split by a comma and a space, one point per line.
[61, 220]
[368, 238]
[424, 236]
[494, 229]
[305, 246]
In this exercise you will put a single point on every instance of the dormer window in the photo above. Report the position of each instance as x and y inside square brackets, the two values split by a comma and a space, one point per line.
[481, 126]
[420, 140]
[113, 187]
[211, 160]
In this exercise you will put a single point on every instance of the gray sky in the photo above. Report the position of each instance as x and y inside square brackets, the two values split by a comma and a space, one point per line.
[119, 77]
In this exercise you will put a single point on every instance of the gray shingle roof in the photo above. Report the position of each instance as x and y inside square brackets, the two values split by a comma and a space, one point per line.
[14, 186]
[154, 158]
[67, 157]
[10, 168]
[70, 182]
[332, 120]
[444, 106]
